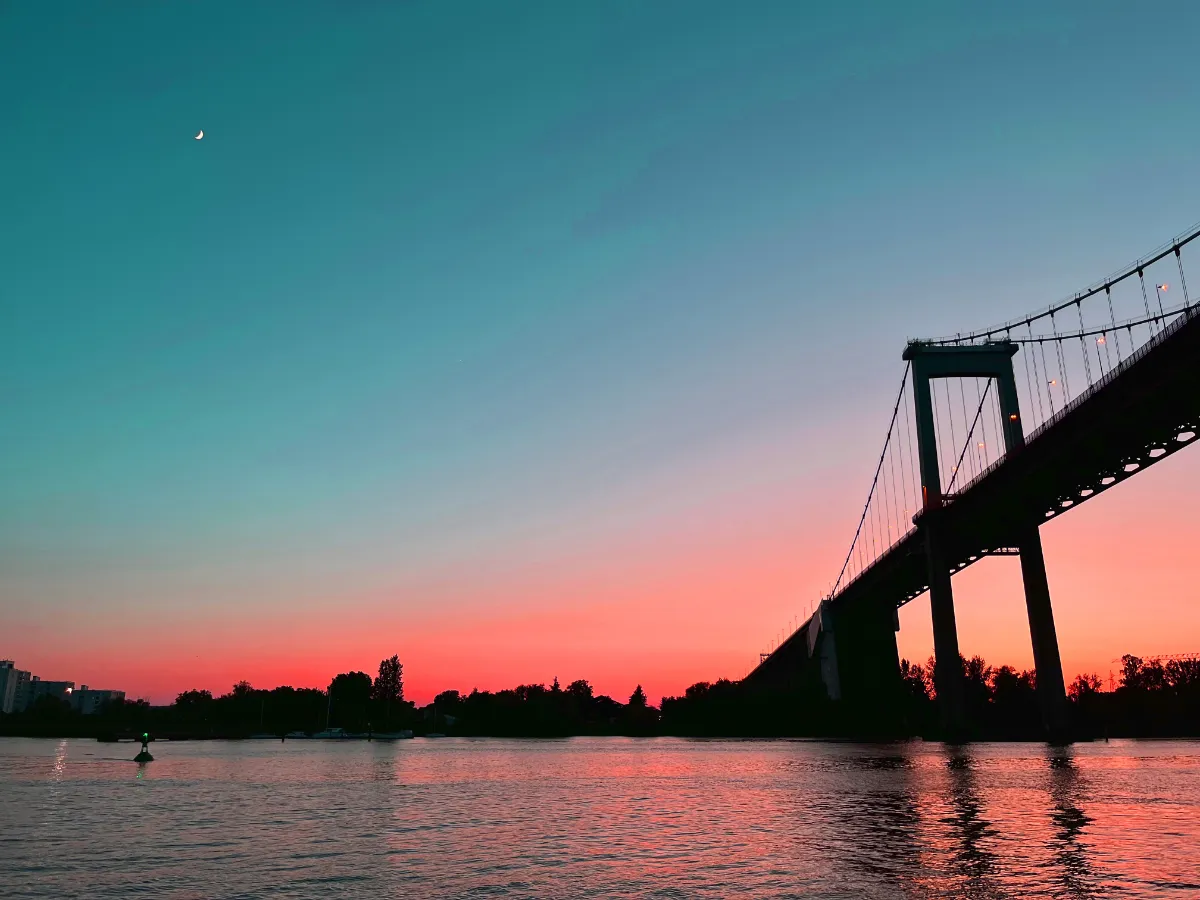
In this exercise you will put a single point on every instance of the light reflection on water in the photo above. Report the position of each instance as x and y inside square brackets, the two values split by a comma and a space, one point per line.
[599, 818]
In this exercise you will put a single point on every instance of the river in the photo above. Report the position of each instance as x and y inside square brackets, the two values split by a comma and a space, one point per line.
[599, 817]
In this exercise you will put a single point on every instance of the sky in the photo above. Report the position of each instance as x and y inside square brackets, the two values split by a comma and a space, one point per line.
[546, 339]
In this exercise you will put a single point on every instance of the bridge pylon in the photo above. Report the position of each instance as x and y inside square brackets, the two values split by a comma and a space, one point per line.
[988, 360]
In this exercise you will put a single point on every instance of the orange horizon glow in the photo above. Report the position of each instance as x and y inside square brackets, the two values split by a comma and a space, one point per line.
[695, 605]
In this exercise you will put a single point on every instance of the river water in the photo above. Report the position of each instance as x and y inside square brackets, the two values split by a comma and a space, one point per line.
[599, 818]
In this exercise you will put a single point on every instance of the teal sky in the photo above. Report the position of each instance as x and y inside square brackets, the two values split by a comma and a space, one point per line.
[463, 315]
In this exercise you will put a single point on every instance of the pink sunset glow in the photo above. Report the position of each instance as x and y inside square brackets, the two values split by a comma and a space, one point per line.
[684, 594]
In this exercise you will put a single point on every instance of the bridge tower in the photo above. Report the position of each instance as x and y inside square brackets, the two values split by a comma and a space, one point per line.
[990, 360]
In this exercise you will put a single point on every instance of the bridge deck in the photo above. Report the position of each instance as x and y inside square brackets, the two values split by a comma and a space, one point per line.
[1139, 413]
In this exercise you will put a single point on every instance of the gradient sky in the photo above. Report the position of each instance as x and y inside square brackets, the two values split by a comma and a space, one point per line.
[533, 340]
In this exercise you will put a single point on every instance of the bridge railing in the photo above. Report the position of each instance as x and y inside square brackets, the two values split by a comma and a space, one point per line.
[1180, 317]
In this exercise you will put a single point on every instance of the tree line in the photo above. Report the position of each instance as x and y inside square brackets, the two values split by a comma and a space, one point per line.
[1153, 699]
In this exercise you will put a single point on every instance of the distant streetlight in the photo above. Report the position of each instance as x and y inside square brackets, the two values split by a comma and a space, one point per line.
[1159, 290]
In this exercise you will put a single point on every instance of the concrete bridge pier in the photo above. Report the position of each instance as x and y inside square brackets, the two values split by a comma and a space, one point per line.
[858, 663]
[868, 662]
[1052, 694]
[947, 668]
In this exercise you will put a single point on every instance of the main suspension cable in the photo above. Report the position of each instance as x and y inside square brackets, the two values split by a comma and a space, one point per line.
[874, 481]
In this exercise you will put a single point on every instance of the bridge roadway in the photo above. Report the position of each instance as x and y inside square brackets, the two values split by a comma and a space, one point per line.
[1142, 411]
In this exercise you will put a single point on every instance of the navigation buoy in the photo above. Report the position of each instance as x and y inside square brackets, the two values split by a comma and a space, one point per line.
[144, 756]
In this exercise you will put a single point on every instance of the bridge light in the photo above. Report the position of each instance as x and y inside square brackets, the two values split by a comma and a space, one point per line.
[1162, 287]
[981, 445]
[1012, 417]
[1052, 382]
[1100, 340]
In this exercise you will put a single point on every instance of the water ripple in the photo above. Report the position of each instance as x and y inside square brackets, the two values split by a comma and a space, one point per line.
[600, 818]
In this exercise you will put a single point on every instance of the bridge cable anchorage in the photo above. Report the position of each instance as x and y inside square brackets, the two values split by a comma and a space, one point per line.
[967, 443]
[874, 482]
[1134, 268]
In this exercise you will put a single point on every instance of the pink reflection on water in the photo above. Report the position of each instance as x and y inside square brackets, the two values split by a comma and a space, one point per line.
[603, 817]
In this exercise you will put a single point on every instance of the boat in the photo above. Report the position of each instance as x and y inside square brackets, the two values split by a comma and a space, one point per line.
[337, 734]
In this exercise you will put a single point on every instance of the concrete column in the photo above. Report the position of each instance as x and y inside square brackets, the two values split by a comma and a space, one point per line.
[947, 667]
[868, 659]
[927, 450]
[947, 670]
[1052, 694]
[1010, 411]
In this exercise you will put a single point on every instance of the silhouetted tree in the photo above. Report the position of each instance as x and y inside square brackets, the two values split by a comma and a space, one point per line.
[388, 689]
[919, 711]
[1084, 686]
[977, 676]
[1015, 712]
[580, 690]
[1133, 673]
[350, 693]
[640, 717]
[917, 680]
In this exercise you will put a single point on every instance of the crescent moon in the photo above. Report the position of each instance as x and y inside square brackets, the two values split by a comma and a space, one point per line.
[200, 135]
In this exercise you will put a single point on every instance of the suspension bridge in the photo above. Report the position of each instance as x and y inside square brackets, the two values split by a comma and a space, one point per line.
[992, 433]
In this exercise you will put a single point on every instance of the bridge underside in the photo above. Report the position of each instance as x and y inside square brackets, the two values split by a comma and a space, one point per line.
[1143, 411]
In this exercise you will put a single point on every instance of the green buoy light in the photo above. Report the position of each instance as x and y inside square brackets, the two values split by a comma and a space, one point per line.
[144, 756]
